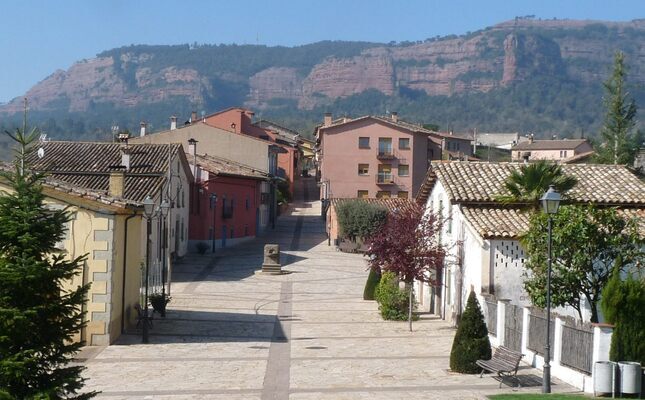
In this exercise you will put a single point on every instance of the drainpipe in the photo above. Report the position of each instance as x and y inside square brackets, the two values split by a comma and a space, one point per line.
[125, 258]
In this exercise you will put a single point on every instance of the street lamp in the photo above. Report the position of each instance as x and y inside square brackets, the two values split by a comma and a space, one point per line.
[550, 205]
[148, 209]
[213, 206]
[164, 209]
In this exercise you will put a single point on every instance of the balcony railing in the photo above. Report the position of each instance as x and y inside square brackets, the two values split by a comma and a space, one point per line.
[384, 179]
[385, 154]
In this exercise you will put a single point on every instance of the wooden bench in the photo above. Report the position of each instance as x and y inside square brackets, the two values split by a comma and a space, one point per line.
[504, 362]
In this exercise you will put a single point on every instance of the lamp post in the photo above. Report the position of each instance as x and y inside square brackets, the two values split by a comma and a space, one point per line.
[149, 210]
[164, 208]
[550, 204]
[214, 206]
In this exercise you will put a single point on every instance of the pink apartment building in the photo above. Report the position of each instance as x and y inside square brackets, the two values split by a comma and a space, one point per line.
[374, 157]
[562, 150]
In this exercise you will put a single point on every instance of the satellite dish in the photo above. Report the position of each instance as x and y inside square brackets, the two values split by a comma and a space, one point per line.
[41, 152]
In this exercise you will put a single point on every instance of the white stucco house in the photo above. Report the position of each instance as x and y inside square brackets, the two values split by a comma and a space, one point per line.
[481, 234]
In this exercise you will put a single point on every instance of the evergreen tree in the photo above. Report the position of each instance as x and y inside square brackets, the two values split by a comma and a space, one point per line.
[39, 313]
[623, 304]
[471, 340]
[619, 144]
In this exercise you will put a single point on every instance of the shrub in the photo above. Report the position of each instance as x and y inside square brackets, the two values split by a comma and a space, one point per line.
[471, 340]
[393, 301]
[623, 304]
[358, 218]
[373, 280]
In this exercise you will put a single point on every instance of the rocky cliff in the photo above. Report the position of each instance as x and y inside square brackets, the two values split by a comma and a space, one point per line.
[491, 58]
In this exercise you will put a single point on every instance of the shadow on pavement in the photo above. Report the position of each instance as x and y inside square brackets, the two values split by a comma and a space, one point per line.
[188, 326]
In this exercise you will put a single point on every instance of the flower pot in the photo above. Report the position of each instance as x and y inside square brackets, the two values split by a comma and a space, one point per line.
[159, 303]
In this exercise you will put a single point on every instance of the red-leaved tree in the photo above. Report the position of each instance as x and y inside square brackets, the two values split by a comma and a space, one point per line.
[408, 245]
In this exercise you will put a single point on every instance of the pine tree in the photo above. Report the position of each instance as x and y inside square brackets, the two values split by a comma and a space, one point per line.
[471, 340]
[619, 143]
[39, 315]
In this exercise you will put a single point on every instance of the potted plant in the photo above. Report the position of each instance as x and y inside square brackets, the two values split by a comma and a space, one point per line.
[159, 302]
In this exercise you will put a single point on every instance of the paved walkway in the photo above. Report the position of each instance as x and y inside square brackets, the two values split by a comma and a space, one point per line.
[233, 333]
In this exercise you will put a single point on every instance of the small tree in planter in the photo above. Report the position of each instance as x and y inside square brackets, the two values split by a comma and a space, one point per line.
[408, 246]
[373, 280]
[471, 340]
[159, 302]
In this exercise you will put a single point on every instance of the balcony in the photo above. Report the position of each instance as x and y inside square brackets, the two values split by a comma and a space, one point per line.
[385, 179]
[385, 154]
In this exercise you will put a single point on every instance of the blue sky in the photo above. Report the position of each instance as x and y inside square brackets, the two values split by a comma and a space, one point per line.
[38, 37]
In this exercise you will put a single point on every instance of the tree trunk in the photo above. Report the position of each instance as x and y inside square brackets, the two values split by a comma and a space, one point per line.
[410, 306]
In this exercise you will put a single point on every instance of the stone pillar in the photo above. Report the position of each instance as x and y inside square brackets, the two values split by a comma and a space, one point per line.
[271, 262]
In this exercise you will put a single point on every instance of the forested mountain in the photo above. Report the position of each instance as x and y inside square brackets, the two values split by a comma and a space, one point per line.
[527, 75]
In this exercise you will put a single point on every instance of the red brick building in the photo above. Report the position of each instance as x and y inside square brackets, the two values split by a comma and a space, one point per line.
[240, 120]
[226, 207]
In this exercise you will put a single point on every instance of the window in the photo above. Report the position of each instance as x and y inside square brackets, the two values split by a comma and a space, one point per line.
[385, 146]
[363, 169]
[404, 144]
[402, 195]
[382, 194]
[248, 202]
[384, 173]
[404, 170]
[563, 153]
[362, 194]
[363, 143]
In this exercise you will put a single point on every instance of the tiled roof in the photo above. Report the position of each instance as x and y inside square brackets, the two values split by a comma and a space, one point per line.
[222, 166]
[390, 204]
[563, 144]
[578, 157]
[510, 223]
[479, 182]
[94, 195]
[87, 165]
[401, 124]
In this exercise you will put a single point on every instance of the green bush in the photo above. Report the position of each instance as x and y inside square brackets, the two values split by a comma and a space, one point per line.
[393, 301]
[623, 304]
[373, 280]
[359, 219]
[471, 340]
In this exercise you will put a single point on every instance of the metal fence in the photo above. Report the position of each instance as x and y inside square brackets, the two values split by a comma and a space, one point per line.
[491, 317]
[577, 348]
[537, 334]
[513, 327]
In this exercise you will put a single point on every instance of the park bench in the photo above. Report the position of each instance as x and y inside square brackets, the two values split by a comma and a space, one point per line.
[504, 362]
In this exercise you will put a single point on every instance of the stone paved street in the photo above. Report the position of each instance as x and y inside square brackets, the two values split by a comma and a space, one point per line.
[233, 333]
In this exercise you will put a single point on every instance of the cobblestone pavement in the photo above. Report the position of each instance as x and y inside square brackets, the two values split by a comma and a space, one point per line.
[233, 333]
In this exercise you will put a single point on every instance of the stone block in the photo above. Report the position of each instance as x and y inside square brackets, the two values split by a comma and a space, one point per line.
[271, 262]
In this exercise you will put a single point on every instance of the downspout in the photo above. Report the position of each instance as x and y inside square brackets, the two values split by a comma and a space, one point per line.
[125, 259]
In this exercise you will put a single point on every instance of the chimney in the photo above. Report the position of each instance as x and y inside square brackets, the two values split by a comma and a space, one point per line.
[530, 138]
[193, 117]
[327, 119]
[192, 150]
[125, 158]
[117, 181]
[395, 116]
[173, 123]
[143, 128]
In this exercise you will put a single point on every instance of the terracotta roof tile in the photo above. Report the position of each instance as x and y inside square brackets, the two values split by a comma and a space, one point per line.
[222, 166]
[479, 182]
[562, 144]
[390, 204]
[87, 165]
[510, 223]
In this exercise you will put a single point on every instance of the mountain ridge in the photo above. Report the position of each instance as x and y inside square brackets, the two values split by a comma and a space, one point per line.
[151, 82]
